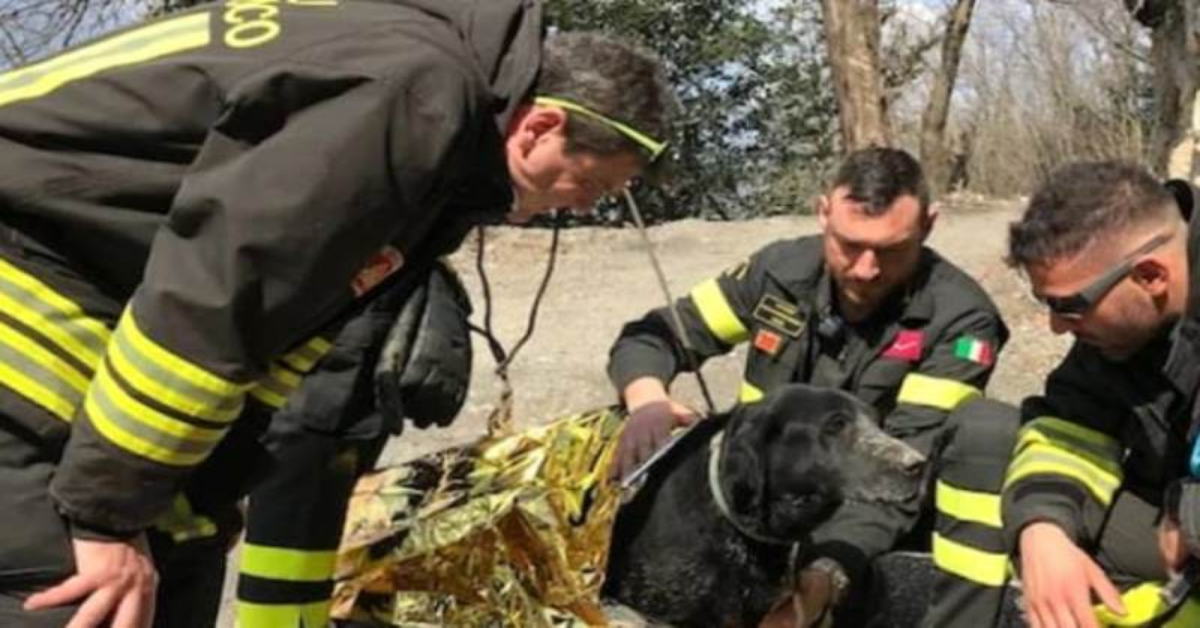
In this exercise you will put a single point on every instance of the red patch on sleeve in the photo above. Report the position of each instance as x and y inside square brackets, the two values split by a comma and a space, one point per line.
[907, 346]
[378, 268]
[768, 342]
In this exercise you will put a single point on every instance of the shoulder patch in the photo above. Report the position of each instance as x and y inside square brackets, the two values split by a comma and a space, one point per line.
[379, 267]
[975, 350]
[780, 315]
[768, 342]
[908, 346]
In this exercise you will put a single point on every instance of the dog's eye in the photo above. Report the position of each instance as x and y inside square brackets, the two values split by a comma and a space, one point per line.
[836, 424]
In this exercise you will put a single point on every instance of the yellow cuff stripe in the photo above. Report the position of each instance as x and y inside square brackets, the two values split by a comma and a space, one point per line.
[307, 355]
[1052, 446]
[964, 505]
[717, 314]
[936, 392]
[281, 563]
[1095, 445]
[137, 46]
[313, 615]
[749, 393]
[969, 563]
[1040, 460]
[197, 380]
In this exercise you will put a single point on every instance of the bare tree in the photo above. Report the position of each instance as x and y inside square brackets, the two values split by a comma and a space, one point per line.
[1175, 55]
[852, 35]
[30, 29]
[934, 154]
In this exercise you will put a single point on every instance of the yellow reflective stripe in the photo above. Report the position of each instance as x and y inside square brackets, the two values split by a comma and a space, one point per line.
[969, 563]
[1100, 449]
[964, 505]
[1043, 460]
[138, 46]
[54, 316]
[39, 374]
[143, 431]
[119, 435]
[268, 397]
[279, 384]
[45, 359]
[312, 615]
[749, 393]
[39, 393]
[304, 358]
[159, 374]
[133, 410]
[717, 314]
[282, 563]
[936, 392]
[182, 523]
[1049, 445]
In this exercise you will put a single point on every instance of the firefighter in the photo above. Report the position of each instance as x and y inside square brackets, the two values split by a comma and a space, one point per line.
[190, 208]
[1106, 250]
[864, 307]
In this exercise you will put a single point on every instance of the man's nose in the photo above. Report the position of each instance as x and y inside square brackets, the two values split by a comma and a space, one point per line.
[866, 266]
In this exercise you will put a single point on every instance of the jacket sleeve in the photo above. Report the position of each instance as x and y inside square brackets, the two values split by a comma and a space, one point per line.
[305, 176]
[1067, 464]
[715, 317]
[947, 376]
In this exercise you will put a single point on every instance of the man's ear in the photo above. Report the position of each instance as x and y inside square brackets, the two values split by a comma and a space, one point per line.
[821, 205]
[534, 122]
[1152, 275]
[743, 468]
[929, 219]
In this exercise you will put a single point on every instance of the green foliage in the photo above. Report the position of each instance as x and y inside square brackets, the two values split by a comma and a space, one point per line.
[758, 114]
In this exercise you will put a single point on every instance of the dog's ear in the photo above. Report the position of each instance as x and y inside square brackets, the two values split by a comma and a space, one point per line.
[743, 468]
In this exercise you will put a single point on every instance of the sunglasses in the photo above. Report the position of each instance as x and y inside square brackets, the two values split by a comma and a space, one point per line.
[1078, 304]
[651, 145]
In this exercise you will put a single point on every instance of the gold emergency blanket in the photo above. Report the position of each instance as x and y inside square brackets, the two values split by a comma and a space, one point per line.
[510, 531]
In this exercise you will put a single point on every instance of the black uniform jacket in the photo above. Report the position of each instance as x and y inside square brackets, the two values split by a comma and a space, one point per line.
[922, 354]
[239, 175]
[1103, 426]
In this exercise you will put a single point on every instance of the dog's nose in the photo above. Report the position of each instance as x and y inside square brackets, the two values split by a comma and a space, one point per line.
[912, 463]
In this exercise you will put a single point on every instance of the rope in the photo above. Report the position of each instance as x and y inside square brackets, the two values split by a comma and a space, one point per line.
[680, 330]
[500, 420]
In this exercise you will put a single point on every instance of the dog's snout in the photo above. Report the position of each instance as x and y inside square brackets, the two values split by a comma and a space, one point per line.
[911, 462]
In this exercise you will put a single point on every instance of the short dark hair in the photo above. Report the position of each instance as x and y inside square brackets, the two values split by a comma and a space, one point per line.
[614, 78]
[877, 176]
[1081, 203]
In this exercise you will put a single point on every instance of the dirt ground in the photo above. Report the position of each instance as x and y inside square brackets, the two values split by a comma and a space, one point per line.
[604, 279]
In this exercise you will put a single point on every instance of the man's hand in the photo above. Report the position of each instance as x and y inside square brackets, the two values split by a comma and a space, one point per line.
[116, 581]
[1058, 579]
[652, 417]
[809, 607]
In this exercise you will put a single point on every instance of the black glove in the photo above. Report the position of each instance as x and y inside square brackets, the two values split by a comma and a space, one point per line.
[424, 370]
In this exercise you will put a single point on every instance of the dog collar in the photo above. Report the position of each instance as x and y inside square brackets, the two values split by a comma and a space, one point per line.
[715, 455]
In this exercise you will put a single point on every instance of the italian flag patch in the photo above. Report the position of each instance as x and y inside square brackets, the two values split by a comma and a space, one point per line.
[974, 350]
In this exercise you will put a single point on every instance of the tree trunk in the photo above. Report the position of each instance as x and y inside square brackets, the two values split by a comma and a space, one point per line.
[1175, 56]
[934, 154]
[852, 34]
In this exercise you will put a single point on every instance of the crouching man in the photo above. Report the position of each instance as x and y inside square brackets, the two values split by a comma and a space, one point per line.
[864, 307]
[1106, 250]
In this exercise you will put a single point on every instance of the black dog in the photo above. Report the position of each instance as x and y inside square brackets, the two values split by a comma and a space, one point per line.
[713, 542]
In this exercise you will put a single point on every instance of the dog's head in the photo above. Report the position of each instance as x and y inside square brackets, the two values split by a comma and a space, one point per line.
[793, 458]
